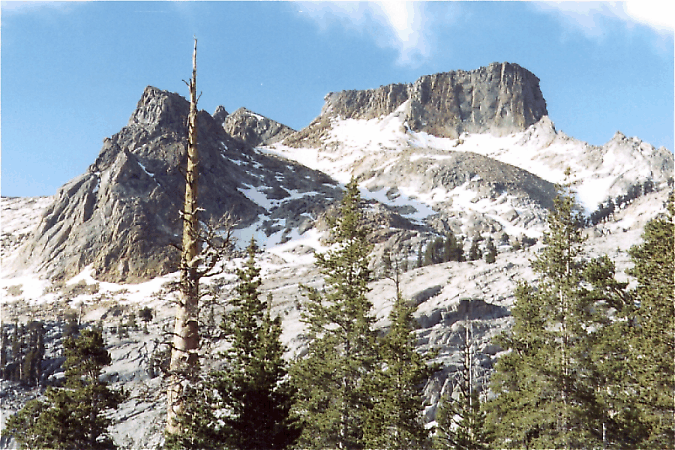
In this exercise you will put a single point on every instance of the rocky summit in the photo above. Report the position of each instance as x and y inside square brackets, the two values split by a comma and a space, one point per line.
[498, 99]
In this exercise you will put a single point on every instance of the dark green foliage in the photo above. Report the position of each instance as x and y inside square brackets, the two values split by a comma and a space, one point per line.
[462, 423]
[613, 317]
[546, 385]
[491, 252]
[434, 253]
[71, 327]
[23, 353]
[335, 375]
[197, 421]
[72, 417]
[396, 417]
[452, 249]
[443, 250]
[145, 314]
[653, 336]
[35, 352]
[255, 394]
[474, 251]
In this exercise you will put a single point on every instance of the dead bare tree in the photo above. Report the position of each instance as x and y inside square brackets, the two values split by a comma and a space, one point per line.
[203, 246]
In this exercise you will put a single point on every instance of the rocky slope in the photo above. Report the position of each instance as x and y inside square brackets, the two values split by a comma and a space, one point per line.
[122, 214]
[449, 296]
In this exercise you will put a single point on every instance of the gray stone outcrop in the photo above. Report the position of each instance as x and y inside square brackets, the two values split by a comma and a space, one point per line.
[121, 216]
[500, 98]
[254, 129]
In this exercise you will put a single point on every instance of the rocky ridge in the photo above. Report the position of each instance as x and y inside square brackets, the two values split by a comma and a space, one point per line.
[122, 214]
[254, 129]
[500, 98]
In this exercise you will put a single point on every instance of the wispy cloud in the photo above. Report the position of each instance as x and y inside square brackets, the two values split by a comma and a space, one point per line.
[592, 18]
[397, 25]
[28, 7]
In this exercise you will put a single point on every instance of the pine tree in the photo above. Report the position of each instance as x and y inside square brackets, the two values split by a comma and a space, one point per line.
[184, 351]
[545, 386]
[613, 318]
[452, 248]
[255, 391]
[395, 421]
[653, 337]
[333, 378]
[72, 417]
[197, 421]
[474, 252]
[434, 253]
[462, 423]
[491, 255]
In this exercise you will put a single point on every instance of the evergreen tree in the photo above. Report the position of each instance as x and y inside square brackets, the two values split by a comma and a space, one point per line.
[334, 376]
[452, 248]
[255, 391]
[435, 252]
[491, 255]
[474, 252]
[613, 315]
[545, 386]
[396, 418]
[198, 422]
[73, 417]
[462, 423]
[653, 337]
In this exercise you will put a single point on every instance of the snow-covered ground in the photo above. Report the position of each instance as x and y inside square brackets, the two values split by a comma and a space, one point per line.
[597, 172]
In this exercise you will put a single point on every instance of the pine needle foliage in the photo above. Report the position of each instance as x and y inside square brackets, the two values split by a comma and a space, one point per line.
[545, 386]
[462, 423]
[256, 394]
[396, 418]
[72, 417]
[652, 339]
[334, 377]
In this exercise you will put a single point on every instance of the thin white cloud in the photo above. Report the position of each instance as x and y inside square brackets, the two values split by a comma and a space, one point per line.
[592, 18]
[28, 7]
[396, 25]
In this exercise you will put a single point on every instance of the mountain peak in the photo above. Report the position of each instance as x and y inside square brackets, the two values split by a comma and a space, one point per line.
[220, 114]
[158, 107]
[253, 128]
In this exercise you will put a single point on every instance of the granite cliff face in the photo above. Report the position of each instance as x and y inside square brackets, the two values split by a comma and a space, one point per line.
[498, 99]
[122, 214]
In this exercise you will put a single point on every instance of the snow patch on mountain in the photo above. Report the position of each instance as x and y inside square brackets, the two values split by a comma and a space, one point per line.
[597, 172]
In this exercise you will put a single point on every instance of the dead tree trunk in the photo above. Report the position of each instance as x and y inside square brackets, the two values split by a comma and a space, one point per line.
[184, 356]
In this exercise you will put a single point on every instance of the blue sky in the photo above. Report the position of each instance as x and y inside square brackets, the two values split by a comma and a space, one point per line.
[72, 72]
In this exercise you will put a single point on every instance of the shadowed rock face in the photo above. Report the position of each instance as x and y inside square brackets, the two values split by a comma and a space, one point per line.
[501, 98]
[122, 214]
